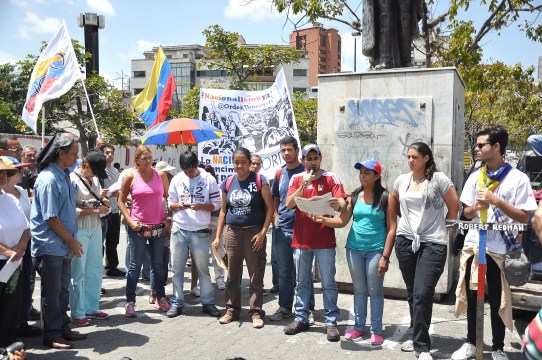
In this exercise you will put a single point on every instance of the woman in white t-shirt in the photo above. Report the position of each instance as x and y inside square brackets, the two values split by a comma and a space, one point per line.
[14, 237]
[421, 244]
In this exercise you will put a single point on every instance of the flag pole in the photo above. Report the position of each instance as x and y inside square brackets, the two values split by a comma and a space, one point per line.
[43, 127]
[90, 107]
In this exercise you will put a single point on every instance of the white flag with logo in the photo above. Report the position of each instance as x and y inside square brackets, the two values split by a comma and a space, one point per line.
[55, 73]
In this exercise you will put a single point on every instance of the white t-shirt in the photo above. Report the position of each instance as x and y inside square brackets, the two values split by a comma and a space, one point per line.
[12, 221]
[203, 189]
[515, 189]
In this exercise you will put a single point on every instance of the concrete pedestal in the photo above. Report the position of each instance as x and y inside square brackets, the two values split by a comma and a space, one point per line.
[377, 115]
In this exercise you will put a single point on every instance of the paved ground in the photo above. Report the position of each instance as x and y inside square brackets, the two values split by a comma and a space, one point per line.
[194, 335]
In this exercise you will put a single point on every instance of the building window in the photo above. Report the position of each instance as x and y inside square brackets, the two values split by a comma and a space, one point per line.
[137, 91]
[323, 40]
[339, 45]
[300, 72]
[323, 59]
[212, 73]
[322, 52]
[299, 89]
[322, 66]
[139, 74]
[300, 41]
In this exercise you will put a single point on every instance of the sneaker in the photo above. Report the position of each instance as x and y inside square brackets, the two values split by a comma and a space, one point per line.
[81, 322]
[195, 291]
[280, 314]
[425, 356]
[162, 305]
[499, 355]
[407, 346]
[34, 314]
[100, 315]
[295, 327]
[152, 297]
[189, 262]
[466, 351]
[174, 311]
[376, 340]
[332, 333]
[220, 284]
[129, 310]
[353, 334]
[311, 318]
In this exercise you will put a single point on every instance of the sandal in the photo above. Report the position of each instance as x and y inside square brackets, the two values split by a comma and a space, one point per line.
[353, 334]
[59, 344]
[226, 319]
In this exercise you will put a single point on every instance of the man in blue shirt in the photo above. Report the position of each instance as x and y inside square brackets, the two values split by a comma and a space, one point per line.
[284, 228]
[53, 225]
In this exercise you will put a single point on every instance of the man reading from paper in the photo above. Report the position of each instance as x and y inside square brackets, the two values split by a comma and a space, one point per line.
[312, 239]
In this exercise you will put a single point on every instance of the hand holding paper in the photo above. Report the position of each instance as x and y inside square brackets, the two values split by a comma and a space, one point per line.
[316, 205]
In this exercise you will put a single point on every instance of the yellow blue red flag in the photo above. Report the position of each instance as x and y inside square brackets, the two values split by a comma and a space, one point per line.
[153, 103]
[55, 73]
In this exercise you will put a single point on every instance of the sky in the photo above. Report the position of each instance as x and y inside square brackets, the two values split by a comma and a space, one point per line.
[134, 26]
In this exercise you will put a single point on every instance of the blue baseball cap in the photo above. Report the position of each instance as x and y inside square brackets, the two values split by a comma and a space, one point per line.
[370, 164]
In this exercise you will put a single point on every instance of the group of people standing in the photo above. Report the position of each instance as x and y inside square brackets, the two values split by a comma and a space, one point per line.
[411, 218]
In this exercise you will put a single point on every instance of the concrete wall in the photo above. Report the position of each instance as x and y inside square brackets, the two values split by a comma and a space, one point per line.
[377, 115]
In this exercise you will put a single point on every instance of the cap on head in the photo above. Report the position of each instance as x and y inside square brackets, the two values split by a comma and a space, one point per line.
[4, 166]
[97, 163]
[10, 160]
[370, 164]
[163, 166]
[307, 148]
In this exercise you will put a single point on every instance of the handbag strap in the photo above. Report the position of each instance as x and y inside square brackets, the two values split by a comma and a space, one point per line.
[90, 190]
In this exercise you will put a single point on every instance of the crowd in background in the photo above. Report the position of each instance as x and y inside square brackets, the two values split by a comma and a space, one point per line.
[60, 217]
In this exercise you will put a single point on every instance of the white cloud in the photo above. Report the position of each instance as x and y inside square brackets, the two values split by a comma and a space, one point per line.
[102, 7]
[6, 57]
[135, 51]
[34, 24]
[256, 10]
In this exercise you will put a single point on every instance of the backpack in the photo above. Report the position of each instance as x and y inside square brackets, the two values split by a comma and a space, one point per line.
[258, 181]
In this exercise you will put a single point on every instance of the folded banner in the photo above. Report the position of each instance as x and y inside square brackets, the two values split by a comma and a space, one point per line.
[55, 73]
[153, 103]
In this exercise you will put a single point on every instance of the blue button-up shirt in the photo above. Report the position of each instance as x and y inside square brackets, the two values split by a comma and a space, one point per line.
[54, 196]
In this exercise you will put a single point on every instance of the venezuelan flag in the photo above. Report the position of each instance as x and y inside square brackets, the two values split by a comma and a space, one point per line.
[154, 102]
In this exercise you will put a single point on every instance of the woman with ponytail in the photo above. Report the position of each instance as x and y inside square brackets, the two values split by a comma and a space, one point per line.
[422, 239]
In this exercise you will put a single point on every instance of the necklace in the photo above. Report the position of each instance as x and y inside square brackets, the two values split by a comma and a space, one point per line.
[418, 181]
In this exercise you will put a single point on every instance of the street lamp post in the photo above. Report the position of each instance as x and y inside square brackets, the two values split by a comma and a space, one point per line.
[91, 22]
[355, 35]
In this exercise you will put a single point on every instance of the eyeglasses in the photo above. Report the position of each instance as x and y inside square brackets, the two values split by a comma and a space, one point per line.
[16, 149]
[481, 145]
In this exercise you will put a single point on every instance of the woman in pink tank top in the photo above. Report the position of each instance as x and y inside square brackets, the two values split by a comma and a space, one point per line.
[146, 221]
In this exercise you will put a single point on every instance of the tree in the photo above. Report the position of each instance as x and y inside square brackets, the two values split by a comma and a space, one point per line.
[114, 119]
[306, 117]
[501, 14]
[242, 62]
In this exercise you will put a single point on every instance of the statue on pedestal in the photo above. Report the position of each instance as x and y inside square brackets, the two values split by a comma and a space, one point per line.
[388, 29]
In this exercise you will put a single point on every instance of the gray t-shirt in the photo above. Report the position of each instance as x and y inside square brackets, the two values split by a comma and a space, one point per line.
[432, 227]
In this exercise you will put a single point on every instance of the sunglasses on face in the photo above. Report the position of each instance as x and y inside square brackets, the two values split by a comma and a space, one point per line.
[481, 145]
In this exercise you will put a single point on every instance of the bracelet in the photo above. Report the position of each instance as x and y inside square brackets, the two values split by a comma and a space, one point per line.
[387, 258]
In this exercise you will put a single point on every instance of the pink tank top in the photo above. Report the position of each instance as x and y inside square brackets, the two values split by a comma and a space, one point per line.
[147, 199]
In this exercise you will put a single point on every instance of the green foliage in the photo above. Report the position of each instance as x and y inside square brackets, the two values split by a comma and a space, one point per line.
[242, 63]
[306, 117]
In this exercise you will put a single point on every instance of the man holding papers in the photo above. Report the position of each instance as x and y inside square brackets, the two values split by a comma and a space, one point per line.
[312, 239]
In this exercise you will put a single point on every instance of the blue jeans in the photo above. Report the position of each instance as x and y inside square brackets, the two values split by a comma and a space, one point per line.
[87, 274]
[183, 241]
[535, 141]
[55, 272]
[282, 243]
[274, 262]
[136, 247]
[363, 267]
[303, 264]
[26, 300]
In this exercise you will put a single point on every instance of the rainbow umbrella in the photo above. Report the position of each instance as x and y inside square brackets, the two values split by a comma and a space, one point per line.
[180, 131]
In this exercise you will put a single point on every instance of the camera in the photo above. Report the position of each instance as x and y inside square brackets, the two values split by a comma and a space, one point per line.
[186, 205]
[96, 204]
[12, 348]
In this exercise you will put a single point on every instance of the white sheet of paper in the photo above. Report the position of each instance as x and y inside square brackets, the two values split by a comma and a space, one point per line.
[219, 257]
[9, 269]
[114, 187]
[316, 205]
